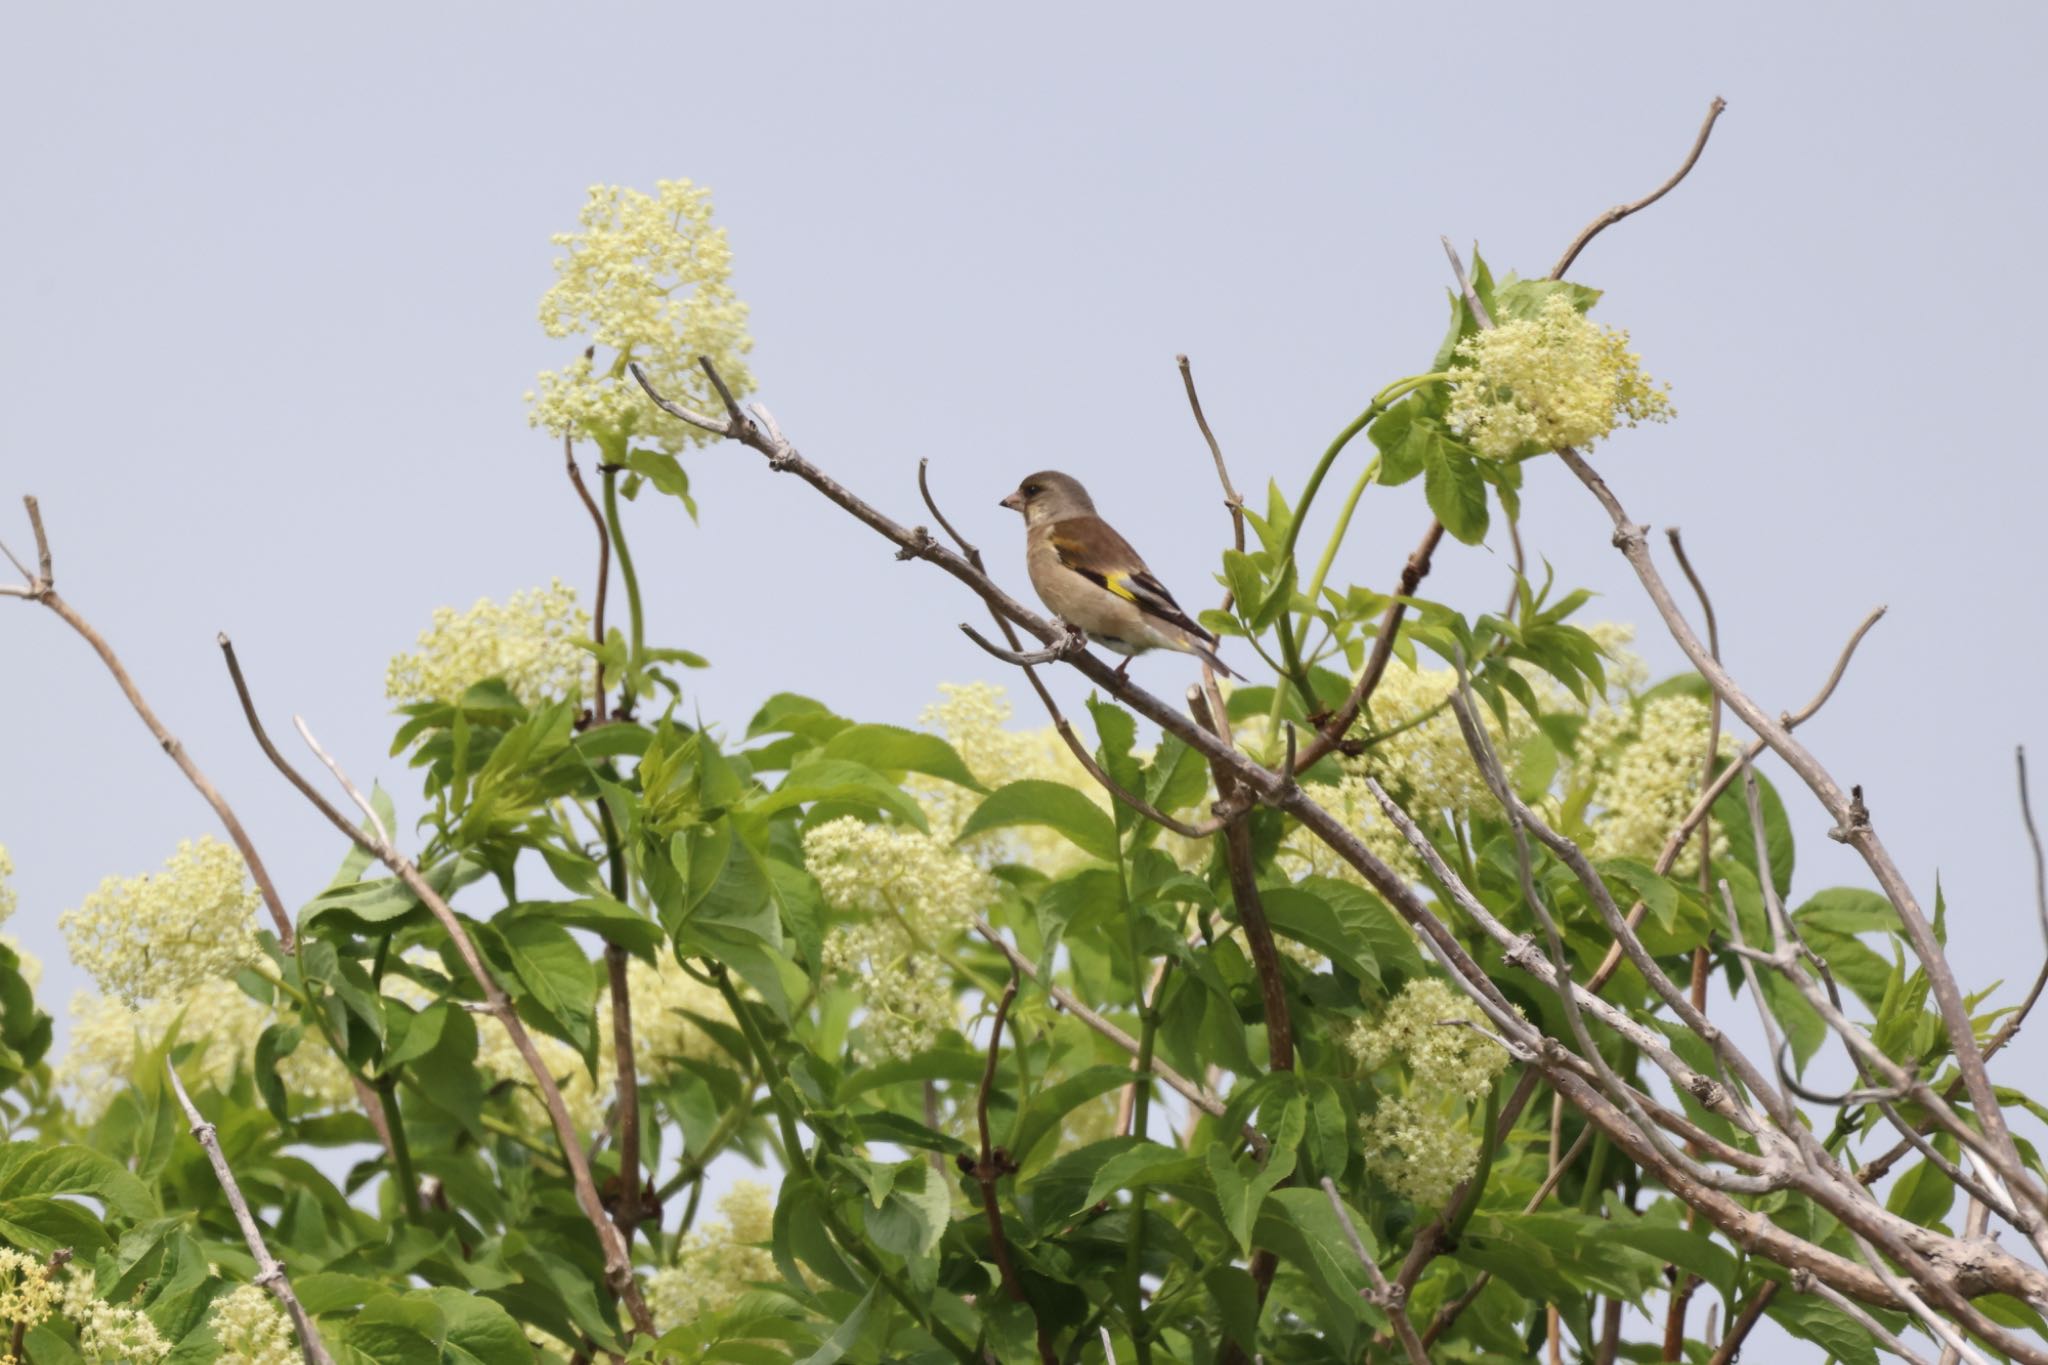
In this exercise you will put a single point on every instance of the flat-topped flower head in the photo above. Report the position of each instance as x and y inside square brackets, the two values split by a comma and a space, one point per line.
[7, 897]
[147, 937]
[1557, 379]
[645, 281]
[528, 641]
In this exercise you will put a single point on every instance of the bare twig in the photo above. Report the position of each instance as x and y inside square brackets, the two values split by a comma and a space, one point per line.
[1394, 1302]
[43, 588]
[1232, 499]
[1852, 820]
[604, 571]
[995, 1163]
[1465, 288]
[2034, 842]
[1621, 211]
[617, 1258]
[269, 1274]
[1807, 1284]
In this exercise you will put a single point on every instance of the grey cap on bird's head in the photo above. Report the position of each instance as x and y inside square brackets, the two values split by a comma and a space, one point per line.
[1050, 483]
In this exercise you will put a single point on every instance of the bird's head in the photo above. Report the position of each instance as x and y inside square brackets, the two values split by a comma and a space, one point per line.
[1050, 496]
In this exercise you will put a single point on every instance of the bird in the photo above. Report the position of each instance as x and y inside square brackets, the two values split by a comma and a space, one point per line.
[1093, 580]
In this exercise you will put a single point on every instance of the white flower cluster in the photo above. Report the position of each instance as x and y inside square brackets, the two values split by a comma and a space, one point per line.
[1420, 1141]
[718, 1262]
[647, 281]
[7, 896]
[529, 641]
[906, 896]
[1647, 768]
[663, 1036]
[107, 1036]
[148, 937]
[31, 965]
[108, 1334]
[251, 1329]
[1557, 379]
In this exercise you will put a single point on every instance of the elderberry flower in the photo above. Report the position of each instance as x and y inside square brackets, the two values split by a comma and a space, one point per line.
[151, 936]
[904, 896]
[529, 642]
[108, 1334]
[647, 281]
[718, 1262]
[7, 896]
[217, 1021]
[251, 1329]
[974, 718]
[1419, 1138]
[1647, 776]
[1557, 379]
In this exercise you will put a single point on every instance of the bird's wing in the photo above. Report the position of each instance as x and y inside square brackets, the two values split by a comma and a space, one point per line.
[1092, 548]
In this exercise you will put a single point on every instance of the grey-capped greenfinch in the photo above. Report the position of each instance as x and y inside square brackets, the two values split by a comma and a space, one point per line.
[1091, 578]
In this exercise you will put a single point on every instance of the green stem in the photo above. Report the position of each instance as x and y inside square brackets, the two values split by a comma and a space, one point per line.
[1342, 528]
[636, 624]
[401, 1150]
[1476, 1186]
[1384, 399]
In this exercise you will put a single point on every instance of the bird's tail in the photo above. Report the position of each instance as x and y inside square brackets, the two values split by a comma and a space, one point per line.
[1208, 656]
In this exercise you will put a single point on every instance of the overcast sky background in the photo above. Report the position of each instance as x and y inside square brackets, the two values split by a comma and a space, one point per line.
[272, 310]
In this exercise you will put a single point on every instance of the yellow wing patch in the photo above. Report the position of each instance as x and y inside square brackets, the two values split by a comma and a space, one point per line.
[1115, 583]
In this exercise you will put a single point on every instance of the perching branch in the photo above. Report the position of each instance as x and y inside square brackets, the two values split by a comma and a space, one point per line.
[269, 1274]
[617, 1258]
[42, 587]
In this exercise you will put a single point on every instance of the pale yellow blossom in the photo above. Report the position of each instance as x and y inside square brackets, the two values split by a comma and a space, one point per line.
[906, 897]
[1647, 768]
[663, 1035]
[718, 1262]
[251, 1329]
[108, 1334]
[646, 280]
[1553, 380]
[7, 896]
[1419, 1138]
[529, 642]
[144, 937]
[217, 1021]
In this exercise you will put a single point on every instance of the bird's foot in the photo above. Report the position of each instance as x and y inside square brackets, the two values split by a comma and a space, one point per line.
[1073, 641]
[1123, 670]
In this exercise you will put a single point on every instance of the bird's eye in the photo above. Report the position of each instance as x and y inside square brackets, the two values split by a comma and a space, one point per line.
[1032, 490]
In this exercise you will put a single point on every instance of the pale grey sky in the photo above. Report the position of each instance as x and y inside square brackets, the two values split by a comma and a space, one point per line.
[273, 312]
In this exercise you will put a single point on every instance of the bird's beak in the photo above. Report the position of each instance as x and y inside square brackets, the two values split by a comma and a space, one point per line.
[1015, 502]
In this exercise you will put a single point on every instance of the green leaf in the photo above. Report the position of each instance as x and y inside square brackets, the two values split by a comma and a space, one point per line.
[29, 1169]
[1305, 917]
[912, 1215]
[832, 1348]
[479, 1332]
[1456, 493]
[837, 779]
[666, 473]
[1139, 1166]
[1657, 893]
[603, 916]
[1053, 804]
[1369, 925]
[1041, 1118]
[1300, 1224]
[556, 974]
[1401, 453]
[890, 748]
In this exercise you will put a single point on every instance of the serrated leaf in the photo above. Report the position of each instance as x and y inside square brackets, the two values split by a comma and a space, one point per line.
[1054, 805]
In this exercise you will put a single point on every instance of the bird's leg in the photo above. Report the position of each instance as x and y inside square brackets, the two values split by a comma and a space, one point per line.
[1123, 669]
[1073, 641]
